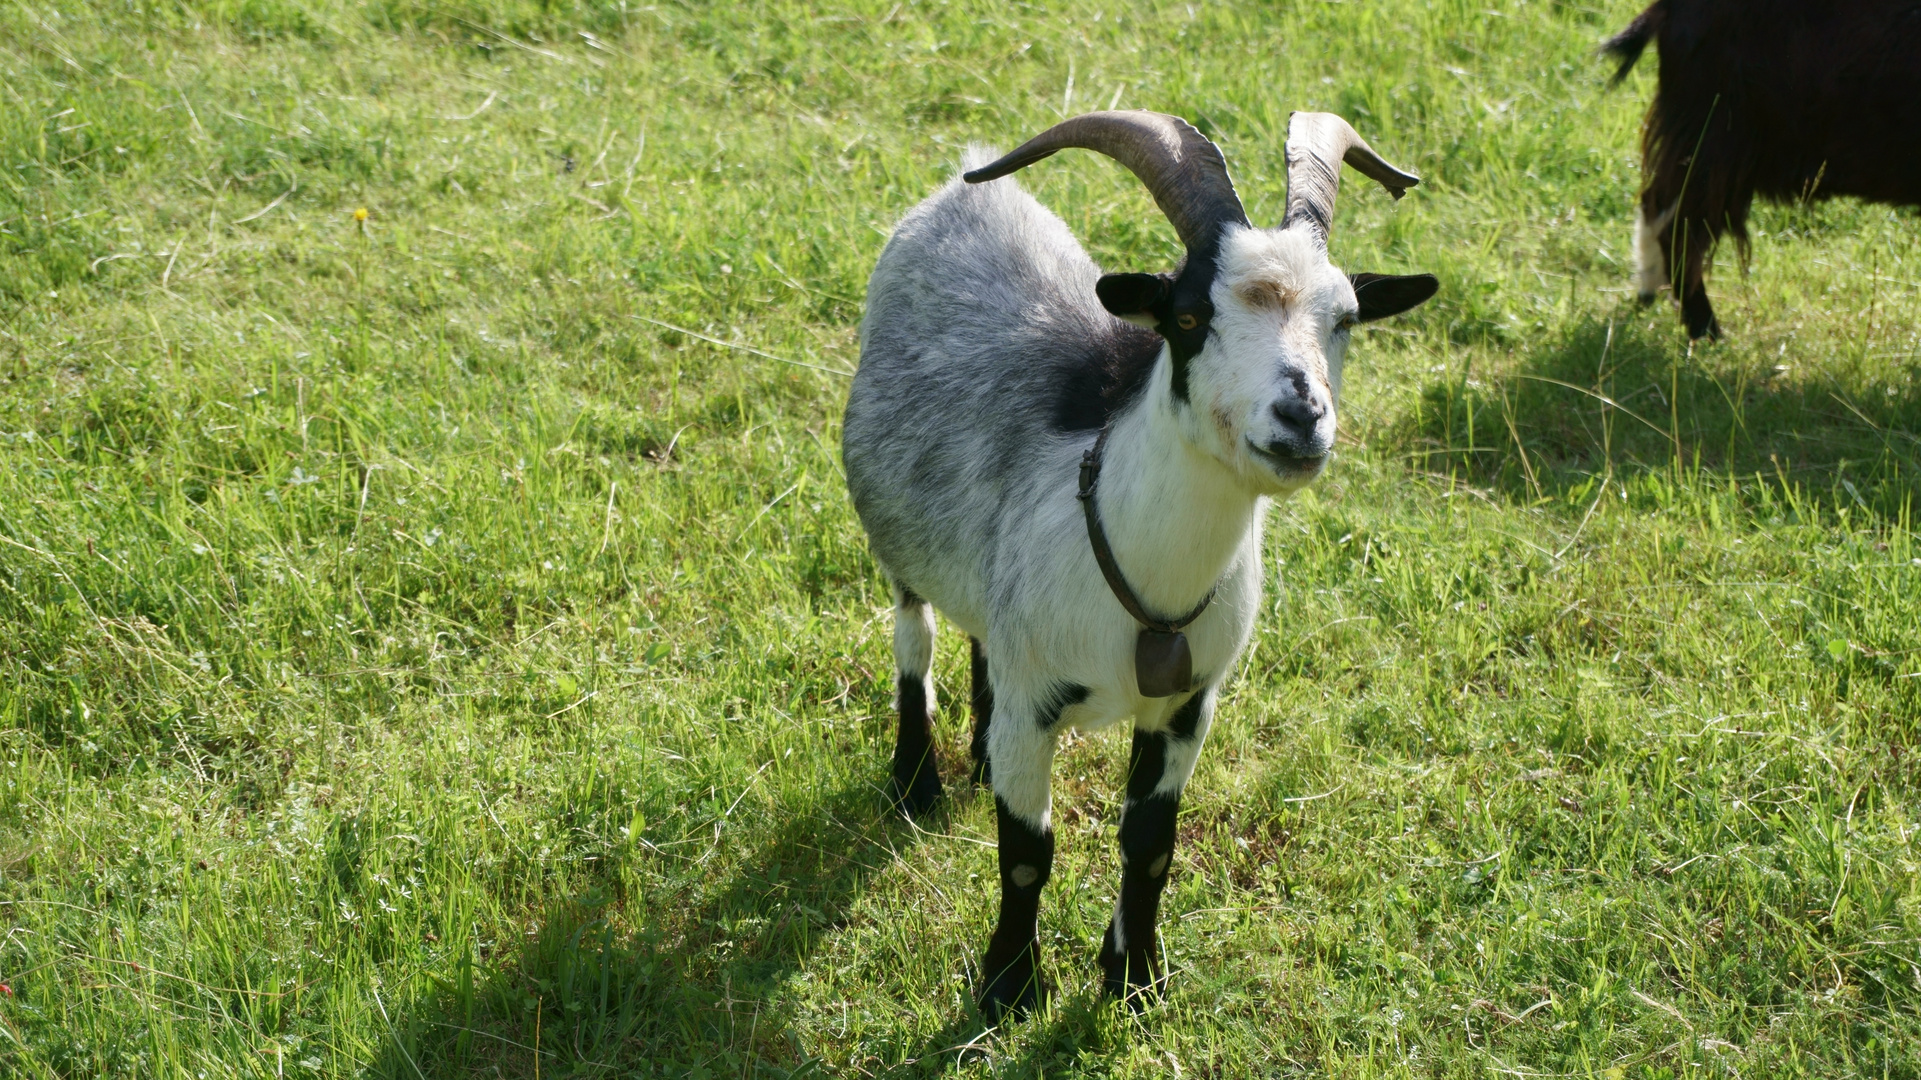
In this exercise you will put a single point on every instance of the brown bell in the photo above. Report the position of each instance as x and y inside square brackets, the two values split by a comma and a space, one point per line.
[1163, 666]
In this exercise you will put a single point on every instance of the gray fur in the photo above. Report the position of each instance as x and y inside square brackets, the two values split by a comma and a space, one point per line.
[962, 368]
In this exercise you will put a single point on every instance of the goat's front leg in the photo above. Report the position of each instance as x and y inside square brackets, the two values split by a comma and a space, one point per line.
[1021, 748]
[916, 780]
[1158, 768]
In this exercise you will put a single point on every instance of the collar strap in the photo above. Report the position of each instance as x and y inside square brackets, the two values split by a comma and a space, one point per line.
[1104, 555]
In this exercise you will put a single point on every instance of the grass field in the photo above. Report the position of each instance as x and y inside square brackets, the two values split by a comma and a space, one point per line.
[441, 646]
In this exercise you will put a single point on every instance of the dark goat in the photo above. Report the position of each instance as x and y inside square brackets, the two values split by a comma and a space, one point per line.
[1787, 99]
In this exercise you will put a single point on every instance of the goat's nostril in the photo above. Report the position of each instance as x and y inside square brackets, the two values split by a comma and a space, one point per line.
[1300, 414]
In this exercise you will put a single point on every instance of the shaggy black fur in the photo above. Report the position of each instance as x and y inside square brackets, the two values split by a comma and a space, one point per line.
[1786, 99]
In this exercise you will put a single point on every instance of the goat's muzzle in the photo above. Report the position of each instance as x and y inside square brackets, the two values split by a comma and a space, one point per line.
[1288, 462]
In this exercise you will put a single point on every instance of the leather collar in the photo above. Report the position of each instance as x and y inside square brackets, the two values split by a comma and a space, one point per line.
[1104, 555]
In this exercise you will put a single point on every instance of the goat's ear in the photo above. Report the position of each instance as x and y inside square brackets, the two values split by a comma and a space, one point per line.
[1137, 298]
[1381, 295]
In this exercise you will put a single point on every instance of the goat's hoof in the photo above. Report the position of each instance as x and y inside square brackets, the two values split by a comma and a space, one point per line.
[918, 794]
[1698, 313]
[1644, 299]
[1132, 976]
[1014, 987]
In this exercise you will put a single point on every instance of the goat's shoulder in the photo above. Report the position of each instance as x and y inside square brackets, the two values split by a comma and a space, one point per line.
[1104, 375]
[981, 287]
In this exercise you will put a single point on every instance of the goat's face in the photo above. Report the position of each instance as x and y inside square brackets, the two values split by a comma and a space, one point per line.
[1259, 362]
[1264, 388]
[1256, 322]
[1263, 384]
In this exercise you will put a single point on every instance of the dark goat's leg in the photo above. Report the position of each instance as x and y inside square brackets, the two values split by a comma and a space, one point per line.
[983, 703]
[1021, 748]
[916, 780]
[1011, 982]
[1157, 770]
[1696, 311]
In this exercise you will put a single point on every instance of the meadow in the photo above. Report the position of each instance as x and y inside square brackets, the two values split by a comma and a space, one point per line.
[437, 642]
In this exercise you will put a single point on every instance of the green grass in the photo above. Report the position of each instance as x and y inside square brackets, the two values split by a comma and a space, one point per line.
[418, 659]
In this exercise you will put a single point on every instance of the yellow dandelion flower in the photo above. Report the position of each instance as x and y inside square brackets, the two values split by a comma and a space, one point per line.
[360, 214]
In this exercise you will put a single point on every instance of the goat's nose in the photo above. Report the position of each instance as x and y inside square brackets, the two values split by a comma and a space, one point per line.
[1299, 415]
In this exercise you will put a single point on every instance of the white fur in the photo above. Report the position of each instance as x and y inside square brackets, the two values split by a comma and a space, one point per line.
[914, 647]
[914, 639]
[1650, 265]
[1258, 344]
[1182, 754]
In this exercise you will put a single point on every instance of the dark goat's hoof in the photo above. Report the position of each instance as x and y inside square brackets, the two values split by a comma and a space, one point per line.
[918, 794]
[1132, 976]
[1014, 987]
[1698, 313]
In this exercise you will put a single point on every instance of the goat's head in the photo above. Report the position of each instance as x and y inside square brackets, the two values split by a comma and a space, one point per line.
[1256, 320]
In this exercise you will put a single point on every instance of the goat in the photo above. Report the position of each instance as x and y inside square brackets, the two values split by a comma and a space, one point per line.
[996, 364]
[1782, 98]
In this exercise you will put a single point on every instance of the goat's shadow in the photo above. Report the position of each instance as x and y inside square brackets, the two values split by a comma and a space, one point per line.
[684, 994]
[1077, 1025]
[1620, 392]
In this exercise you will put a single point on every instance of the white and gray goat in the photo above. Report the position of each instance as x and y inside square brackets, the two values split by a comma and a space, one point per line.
[1074, 469]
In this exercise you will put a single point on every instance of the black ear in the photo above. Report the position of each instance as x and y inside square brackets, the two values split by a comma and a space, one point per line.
[1381, 295]
[1138, 298]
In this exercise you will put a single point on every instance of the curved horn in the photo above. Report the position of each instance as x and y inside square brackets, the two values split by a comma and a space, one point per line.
[1317, 143]
[1182, 170]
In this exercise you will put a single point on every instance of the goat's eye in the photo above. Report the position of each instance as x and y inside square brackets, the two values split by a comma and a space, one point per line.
[1186, 321]
[1348, 322]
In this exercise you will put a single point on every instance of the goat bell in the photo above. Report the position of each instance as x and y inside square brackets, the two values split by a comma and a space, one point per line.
[1163, 665]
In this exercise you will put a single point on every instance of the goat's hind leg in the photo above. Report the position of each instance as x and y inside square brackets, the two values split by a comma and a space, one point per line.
[1687, 242]
[983, 703]
[1698, 312]
[1670, 251]
[1650, 251]
[916, 780]
[1157, 771]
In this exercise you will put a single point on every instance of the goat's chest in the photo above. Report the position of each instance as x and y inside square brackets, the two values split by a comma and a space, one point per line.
[1097, 653]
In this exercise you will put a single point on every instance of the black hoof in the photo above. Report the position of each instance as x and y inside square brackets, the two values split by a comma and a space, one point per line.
[1710, 330]
[1132, 976]
[1644, 299]
[1014, 987]
[1698, 313]
[916, 793]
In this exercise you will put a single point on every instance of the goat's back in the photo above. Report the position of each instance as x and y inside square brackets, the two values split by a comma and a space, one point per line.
[983, 351]
[1784, 98]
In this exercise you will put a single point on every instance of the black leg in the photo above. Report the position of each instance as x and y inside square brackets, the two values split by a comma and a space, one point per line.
[1011, 971]
[1691, 241]
[916, 767]
[1698, 313]
[983, 702]
[916, 780]
[1130, 952]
